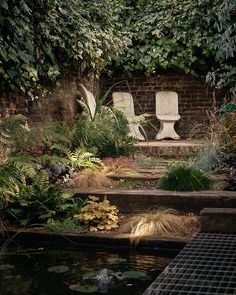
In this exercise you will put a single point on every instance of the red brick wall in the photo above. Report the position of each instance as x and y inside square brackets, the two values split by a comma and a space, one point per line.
[58, 103]
[194, 100]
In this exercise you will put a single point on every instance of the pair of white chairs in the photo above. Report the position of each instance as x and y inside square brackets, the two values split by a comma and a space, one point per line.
[166, 111]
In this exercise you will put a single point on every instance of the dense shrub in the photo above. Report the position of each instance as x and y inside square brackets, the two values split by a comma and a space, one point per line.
[107, 133]
[185, 178]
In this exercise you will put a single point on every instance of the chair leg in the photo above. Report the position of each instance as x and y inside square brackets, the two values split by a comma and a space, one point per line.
[167, 130]
[134, 131]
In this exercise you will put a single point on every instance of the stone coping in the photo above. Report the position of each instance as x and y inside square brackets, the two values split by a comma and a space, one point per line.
[218, 220]
[135, 201]
[103, 240]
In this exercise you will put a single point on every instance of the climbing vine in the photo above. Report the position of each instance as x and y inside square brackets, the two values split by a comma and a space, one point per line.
[171, 34]
[39, 39]
[196, 37]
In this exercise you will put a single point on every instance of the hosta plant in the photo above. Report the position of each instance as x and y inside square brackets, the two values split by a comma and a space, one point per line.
[98, 215]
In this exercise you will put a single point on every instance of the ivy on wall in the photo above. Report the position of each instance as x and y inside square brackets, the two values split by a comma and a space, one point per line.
[40, 38]
[225, 44]
[197, 37]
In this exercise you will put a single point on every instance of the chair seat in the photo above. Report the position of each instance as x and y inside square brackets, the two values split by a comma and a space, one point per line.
[168, 117]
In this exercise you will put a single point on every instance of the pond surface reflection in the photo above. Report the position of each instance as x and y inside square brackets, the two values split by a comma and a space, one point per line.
[42, 271]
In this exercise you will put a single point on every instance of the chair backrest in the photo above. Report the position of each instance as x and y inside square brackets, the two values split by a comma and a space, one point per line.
[166, 103]
[123, 101]
[89, 99]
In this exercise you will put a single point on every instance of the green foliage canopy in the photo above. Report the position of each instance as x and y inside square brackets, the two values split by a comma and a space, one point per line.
[40, 39]
[195, 37]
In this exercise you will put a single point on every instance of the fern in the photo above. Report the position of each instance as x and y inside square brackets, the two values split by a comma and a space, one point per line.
[36, 202]
[80, 159]
[10, 180]
[60, 149]
[77, 159]
[57, 133]
[26, 165]
[14, 131]
[49, 160]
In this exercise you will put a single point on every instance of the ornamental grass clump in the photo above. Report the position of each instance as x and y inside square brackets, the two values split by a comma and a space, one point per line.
[182, 177]
[160, 222]
[91, 179]
[98, 215]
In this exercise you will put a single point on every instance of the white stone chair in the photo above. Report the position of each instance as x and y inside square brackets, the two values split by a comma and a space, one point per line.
[167, 114]
[89, 99]
[123, 101]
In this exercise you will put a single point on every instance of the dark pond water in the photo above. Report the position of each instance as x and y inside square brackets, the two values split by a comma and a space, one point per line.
[42, 271]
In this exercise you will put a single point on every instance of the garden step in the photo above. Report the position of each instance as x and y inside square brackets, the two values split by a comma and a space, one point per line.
[170, 148]
[141, 200]
[153, 171]
[136, 177]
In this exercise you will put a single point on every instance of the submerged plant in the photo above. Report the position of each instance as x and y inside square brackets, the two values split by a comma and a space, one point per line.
[182, 177]
[160, 222]
[98, 215]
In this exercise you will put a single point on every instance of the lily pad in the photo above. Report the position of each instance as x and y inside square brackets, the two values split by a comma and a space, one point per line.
[84, 288]
[139, 275]
[58, 268]
[115, 260]
[89, 275]
[6, 266]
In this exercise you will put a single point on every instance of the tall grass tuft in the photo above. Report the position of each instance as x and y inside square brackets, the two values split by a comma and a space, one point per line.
[182, 177]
